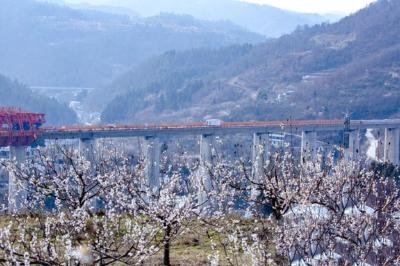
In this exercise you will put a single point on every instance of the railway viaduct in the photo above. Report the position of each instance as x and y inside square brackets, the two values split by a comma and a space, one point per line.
[19, 129]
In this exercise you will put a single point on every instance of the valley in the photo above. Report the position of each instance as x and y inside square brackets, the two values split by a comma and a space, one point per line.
[74, 97]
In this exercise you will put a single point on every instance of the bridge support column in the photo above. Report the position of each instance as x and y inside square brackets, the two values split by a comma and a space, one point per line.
[391, 149]
[260, 152]
[352, 147]
[152, 160]
[308, 146]
[16, 195]
[87, 149]
[205, 163]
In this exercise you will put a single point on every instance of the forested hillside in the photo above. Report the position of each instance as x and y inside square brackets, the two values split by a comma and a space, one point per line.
[167, 82]
[44, 44]
[15, 94]
[316, 72]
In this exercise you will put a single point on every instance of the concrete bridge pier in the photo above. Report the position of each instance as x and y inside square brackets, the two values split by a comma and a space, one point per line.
[16, 195]
[205, 163]
[260, 153]
[152, 151]
[87, 149]
[352, 147]
[308, 146]
[260, 157]
[391, 148]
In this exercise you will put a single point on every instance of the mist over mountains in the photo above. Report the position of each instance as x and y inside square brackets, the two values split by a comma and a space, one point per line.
[316, 72]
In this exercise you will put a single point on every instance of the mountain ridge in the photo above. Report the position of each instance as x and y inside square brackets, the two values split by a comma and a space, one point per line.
[45, 44]
[316, 72]
[263, 19]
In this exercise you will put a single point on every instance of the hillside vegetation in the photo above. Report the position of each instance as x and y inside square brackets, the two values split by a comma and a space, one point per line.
[166, 83]
[15, 94]
[316, 72]
[44, 44]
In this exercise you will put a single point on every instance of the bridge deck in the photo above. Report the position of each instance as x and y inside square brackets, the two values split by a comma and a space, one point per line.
[115, 131]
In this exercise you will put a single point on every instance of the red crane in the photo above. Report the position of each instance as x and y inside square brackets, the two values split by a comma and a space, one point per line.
[18, 127]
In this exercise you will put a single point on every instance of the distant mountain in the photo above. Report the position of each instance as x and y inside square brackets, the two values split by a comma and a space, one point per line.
[263, 19]
[53, 45]
[315, 72]
[106, 9]
[15, 94]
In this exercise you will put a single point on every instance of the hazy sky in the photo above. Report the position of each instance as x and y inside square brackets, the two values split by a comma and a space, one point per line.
[312, 6]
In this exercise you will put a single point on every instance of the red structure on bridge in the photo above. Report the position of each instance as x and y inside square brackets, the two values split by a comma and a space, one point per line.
[18, 127]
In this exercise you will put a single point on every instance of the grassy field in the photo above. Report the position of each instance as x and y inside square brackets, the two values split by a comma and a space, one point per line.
[194, 245]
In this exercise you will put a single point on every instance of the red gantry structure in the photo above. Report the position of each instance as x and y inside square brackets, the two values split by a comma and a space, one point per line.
[18, 127]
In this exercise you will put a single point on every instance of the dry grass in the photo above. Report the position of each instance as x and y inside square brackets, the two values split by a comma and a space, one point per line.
[190, 248]
[193, 247]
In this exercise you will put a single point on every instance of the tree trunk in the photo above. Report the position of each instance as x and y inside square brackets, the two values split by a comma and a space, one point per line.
[167, 236]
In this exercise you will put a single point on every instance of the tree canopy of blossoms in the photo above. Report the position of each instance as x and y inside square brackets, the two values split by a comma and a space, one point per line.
[96, 212]
[104, 211]
[341, 212]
